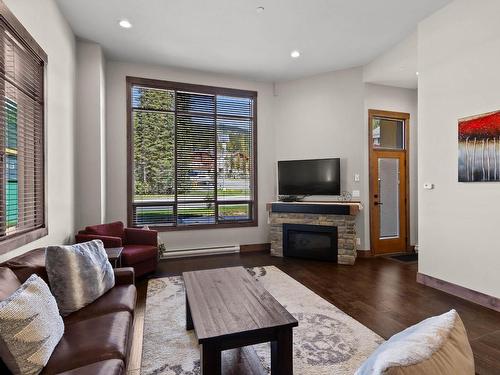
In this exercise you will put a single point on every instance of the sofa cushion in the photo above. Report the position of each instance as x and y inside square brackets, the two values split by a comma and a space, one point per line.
[32, 262]
[115, 229]
[92, 340]
[124, 276]
[133, 254]
[437, 345]
[9, 283]
[78, 274]
[30, 327]
[110, 367]
[119, 298]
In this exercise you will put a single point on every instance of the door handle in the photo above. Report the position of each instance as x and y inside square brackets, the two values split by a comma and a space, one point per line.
[376, 195]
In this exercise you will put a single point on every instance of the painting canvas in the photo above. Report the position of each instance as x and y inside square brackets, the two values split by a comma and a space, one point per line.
[479, 148]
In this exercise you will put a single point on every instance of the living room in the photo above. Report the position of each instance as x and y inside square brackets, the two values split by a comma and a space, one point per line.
[194, 158]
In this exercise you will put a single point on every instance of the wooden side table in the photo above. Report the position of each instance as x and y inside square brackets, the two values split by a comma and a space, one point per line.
[114, 256]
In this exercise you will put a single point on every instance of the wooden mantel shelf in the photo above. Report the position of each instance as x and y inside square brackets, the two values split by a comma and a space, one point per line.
[320, 207]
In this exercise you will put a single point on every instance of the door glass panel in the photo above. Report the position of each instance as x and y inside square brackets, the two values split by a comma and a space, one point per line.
[388, 133]
[388, 180]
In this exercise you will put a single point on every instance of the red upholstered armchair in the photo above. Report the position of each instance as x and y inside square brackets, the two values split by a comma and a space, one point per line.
[140, 246]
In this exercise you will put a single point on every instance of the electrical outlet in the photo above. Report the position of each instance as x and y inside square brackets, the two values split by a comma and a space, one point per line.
[356, 177]
[358, 241]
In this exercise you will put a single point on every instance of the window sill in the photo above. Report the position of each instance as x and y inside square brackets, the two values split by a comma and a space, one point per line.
[205, 226]
[18, 240]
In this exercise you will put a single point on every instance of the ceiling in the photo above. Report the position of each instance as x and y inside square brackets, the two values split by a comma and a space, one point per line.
[231, 37]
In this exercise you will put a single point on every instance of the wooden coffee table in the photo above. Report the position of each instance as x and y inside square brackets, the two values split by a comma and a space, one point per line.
[228, 309]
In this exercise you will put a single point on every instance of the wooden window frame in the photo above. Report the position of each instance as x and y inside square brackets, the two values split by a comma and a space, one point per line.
[15, 240]
[203, 89]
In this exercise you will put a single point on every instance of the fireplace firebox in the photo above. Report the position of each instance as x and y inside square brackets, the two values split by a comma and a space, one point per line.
[318, 242]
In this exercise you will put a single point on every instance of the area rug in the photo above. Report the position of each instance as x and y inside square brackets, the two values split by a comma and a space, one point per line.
[327, 341]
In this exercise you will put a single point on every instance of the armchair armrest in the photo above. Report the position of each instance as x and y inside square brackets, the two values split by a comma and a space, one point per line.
[108, 241]
[124, 276]
[135, 236]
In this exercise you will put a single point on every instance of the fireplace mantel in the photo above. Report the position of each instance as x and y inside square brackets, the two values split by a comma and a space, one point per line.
[340, 214]
[332, 207]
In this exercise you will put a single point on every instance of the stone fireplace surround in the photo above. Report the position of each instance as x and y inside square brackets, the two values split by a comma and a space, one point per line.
[339, 214]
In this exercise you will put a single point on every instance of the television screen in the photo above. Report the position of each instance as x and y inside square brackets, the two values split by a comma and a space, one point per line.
[309, 177]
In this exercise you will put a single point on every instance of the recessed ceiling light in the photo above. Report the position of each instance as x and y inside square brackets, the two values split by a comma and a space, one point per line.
[295, 54]
[125, 24]
[260, 9]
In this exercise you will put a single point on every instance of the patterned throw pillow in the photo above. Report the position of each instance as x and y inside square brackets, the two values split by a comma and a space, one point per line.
[30, 327]
[78, 274]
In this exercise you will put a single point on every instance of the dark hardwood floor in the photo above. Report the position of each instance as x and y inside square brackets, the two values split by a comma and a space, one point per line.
[380, 293]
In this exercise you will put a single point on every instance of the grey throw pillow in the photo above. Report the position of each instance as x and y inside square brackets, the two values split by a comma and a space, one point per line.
[78, 274]
[30, 327]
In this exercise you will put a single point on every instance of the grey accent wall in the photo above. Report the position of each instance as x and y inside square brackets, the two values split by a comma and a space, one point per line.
[322, 117]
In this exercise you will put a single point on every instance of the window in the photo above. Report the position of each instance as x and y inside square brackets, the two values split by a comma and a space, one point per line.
[388, 133]
[192, 155]
[22, 199]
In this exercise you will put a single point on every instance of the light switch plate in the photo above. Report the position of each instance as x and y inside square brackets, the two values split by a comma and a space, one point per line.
[356, 194]
[356, 177]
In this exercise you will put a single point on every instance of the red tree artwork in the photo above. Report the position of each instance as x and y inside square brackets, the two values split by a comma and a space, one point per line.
[479, 148]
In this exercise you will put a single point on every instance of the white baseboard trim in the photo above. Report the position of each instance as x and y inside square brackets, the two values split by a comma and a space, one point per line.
[184, 253]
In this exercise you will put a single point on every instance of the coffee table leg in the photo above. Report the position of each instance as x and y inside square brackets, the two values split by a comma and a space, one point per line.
[210, 360]
[189, 319]
[282, 353]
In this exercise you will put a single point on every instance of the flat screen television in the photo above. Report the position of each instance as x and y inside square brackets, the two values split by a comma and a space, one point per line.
[309, 177]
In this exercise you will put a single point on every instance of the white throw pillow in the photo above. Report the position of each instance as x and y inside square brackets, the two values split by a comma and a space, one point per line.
[437, 345]
[30, 327]
[78, 274]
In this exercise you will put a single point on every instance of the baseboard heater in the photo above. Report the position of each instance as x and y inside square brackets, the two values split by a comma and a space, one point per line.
[194, 252]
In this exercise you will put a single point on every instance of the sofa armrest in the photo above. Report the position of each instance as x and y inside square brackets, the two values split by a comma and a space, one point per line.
[108, 241]
[124, 276]
[135, 236]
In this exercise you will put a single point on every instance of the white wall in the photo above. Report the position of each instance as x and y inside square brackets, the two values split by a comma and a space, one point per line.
[398, 100]
[116, 133]
[395, 67]
[459, 76]
[90, 131]
[46, 24]
[322, 117]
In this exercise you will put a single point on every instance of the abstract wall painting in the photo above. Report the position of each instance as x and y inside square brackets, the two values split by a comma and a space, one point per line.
[479, 148]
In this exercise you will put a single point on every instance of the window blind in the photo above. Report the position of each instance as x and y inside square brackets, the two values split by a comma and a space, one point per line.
[21, 135]
[192, 152]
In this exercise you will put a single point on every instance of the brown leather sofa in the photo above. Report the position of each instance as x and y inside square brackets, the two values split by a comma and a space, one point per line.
[97, 338]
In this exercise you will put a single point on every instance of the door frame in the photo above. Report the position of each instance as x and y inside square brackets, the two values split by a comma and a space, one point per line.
[406, 118]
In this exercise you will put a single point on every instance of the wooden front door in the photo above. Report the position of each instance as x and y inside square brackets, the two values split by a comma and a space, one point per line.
[389, 202]
[388, 182]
